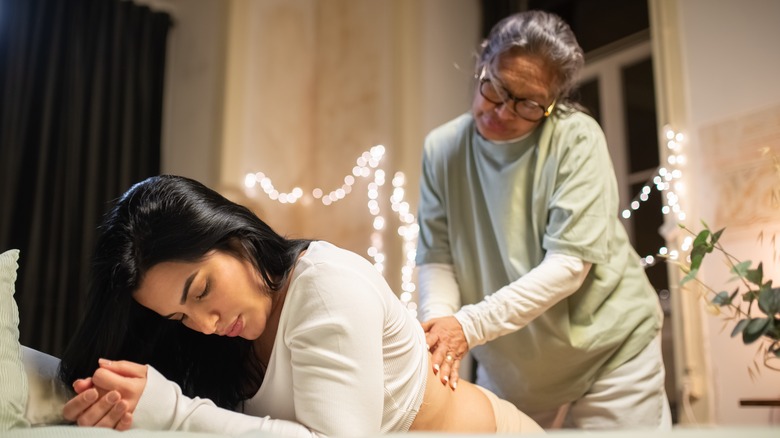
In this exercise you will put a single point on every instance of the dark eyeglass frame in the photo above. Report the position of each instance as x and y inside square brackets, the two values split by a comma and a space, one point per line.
[483, 79]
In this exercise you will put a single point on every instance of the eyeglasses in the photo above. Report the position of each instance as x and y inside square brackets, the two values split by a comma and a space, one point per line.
[496, 94]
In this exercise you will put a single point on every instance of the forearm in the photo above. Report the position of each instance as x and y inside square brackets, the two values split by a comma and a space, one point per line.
[438, 291]
[515, 305]
[163, 407]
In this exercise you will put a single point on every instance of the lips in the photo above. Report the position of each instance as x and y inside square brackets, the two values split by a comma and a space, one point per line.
[235, 328]
[492, 125]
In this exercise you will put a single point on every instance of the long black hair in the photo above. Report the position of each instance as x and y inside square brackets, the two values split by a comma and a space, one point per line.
[173, 218]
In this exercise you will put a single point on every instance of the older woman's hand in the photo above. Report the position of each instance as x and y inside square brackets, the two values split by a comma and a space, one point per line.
[109, 397]
[447, 343]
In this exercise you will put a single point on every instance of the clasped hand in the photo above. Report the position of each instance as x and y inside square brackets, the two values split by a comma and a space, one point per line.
[109, 397]
[447, 343]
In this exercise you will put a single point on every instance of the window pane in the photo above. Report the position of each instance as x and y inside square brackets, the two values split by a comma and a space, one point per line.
[639, 101]
[597, 23]
[647, 240]
[589, 98]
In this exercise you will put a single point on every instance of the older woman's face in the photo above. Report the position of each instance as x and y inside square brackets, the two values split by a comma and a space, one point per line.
[524, 77]
[220, 294]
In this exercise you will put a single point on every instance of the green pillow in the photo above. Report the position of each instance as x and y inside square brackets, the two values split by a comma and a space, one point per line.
[13, 380]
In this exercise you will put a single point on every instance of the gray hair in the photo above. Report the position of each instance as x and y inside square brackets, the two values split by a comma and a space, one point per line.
[536, 33]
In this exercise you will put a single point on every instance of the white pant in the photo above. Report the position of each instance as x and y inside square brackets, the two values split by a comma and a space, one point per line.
[630, 397]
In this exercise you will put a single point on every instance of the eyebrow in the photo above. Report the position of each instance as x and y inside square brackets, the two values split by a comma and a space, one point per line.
[184, 292]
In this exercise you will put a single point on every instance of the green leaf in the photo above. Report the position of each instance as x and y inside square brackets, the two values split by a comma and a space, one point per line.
[739, 327]
[722, 299]
[741, 269]
[701, 239]
[769, 301]
[690, 276]
[754, 329]
[755, 276]
[750, 295]
[716, 236]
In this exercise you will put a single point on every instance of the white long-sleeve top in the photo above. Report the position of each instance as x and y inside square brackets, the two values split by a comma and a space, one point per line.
[348, 360]
[510, 308]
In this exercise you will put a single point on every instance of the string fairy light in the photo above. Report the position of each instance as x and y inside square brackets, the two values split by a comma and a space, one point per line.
[668, 179]
[368, 164]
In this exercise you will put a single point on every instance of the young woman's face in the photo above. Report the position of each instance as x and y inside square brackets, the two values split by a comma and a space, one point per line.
[525, 78]
[220, 295]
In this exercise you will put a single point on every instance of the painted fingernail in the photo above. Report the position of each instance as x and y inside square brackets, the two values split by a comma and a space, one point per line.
[435, 368]
[454, 385]
[446, 379]
[112, 397]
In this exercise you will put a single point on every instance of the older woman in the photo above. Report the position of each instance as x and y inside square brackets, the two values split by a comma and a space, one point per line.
[522, 258]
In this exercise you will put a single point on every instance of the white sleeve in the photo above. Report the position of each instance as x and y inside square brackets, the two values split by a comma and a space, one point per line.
[515, 305]
[163, 407]
[335, 339]
[438, 290]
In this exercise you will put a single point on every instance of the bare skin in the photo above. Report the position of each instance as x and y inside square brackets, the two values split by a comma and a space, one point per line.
[466, 410]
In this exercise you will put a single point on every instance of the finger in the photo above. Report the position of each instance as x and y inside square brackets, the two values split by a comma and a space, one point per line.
[113, 416]
[444, 374]
[455, 375]
[78, 404]
[109, 379]
[81, 385]
[438, 358]
[431, 340]
[446, 369]
[126, 422]
[426, 325]
[95, 413]
[123, 367]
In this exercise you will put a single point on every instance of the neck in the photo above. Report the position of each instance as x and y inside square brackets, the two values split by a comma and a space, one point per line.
[264, 345]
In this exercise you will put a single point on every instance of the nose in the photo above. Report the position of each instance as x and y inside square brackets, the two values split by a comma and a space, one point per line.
[204, 322]
[503, 111]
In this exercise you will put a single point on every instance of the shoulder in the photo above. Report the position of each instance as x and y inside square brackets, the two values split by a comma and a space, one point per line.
[574, 123]
[332, 286]
[333, 272]
[573, 132]
[450, 134]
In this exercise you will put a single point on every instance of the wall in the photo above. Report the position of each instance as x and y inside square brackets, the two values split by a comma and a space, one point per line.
[299, 88]
[730, 62]
[192, 114]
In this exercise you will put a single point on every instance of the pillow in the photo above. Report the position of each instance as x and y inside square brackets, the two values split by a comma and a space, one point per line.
[13, 380]
[47, 393]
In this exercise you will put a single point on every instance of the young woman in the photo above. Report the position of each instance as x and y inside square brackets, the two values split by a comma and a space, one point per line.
[302, 337]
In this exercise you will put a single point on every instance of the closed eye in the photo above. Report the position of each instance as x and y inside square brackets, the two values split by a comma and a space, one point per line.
[205, 292]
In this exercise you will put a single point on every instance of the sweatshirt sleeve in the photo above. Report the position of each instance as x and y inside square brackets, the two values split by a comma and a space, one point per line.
[515, 305]
[439, 292]
[163, 407]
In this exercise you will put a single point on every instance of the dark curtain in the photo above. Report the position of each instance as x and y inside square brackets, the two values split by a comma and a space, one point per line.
[80, 121]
